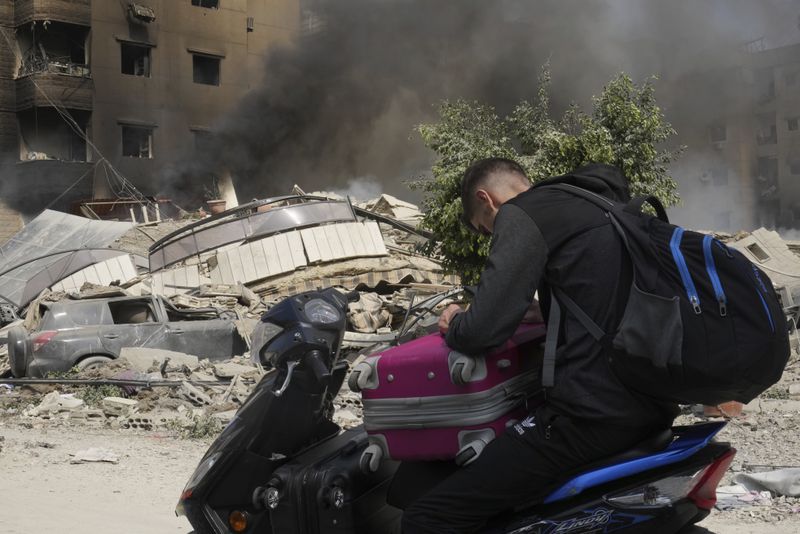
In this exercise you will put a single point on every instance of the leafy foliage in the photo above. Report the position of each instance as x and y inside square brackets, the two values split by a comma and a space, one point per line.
[94, 395]
[625, 128]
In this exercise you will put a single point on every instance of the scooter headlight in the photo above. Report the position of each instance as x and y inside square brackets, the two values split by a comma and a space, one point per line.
[263, 333]
[320, 312]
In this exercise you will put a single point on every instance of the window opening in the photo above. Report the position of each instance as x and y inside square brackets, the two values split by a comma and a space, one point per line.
[208, 4]
[756, 250]
[137, 142]
[203, 140]
[135, 59]
[718, 133]
[205, 69]
[132, 311]
[719, 176]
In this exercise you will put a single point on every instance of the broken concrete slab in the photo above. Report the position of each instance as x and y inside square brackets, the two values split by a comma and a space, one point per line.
[240, 292]
[230, 370]
[225, 417]
[55, 402]
[142, 359]
[766, 249]
[368, 314]
[118, 406]
[95, 454]
[346, 419]
[194, 395]
[202, 376]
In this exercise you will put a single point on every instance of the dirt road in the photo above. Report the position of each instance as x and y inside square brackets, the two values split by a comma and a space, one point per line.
[42, 492]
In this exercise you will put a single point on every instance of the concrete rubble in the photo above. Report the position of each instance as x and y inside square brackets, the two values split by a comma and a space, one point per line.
[94, 455]
[394, 281]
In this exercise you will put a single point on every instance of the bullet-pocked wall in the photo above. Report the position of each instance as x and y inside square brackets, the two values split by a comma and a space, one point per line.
[161, 84]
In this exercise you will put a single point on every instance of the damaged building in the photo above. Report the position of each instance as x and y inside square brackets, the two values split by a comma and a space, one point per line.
[96, 96]
[742, 168]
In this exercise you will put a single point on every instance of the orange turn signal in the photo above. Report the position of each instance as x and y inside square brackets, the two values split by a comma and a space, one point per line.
[238, 521]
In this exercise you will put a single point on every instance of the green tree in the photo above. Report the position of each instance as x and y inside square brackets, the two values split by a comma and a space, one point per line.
[625, 128]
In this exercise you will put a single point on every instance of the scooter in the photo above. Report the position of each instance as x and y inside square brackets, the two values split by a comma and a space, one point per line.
[282, 466]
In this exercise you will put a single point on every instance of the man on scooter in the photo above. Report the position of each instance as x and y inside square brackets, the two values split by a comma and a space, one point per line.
[541, 237]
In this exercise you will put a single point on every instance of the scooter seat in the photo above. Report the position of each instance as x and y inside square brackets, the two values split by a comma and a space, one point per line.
[650, 445]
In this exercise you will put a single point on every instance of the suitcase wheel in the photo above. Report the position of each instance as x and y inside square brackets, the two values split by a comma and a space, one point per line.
[360, 378]
[462, 369]
[370, 459]
[470, 452]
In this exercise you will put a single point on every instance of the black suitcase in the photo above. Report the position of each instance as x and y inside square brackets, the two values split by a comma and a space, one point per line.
[323, 491]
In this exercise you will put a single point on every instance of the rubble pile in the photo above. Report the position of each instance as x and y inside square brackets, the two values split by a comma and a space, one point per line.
[238, 264]
[766, 436]
[187, 389]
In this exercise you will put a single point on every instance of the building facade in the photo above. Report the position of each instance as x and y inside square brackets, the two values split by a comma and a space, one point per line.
[741, 124]
[99, 94]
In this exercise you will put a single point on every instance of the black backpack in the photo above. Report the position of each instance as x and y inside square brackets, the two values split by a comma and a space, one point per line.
[702, 323]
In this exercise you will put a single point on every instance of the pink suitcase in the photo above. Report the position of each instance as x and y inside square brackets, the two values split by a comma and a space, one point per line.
[424, 401]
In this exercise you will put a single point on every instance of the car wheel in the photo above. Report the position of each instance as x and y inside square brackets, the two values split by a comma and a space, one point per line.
[20, 350]
[92, 362]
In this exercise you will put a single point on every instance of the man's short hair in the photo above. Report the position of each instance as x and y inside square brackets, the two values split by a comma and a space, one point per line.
[478, 175]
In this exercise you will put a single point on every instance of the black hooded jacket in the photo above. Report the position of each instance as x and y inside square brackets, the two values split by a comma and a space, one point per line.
[546, 237]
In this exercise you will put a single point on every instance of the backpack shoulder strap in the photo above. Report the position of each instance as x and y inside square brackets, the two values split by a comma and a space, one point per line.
[635, 206]
[553, 326]
[600, 201]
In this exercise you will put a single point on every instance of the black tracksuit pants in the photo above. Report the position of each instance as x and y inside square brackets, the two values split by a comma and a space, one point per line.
[518, 467]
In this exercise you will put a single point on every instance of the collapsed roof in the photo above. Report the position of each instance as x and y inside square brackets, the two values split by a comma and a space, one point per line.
[52, 247]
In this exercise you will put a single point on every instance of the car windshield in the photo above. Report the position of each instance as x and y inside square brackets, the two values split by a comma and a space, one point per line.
[60, 316]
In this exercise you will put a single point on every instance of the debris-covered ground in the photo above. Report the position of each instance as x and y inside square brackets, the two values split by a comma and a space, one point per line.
[116, 442]
[767, 438]
[154, 436]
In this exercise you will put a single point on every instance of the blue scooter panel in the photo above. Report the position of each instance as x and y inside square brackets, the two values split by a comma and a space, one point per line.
[687, 441]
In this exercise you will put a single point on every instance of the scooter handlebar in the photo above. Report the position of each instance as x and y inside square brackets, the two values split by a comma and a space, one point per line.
[316, 362]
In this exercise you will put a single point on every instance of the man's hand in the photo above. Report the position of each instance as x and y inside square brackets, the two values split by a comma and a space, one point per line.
[447, 316]
[534, 313]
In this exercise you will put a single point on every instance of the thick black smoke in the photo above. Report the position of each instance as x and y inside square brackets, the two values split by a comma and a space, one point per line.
[341, 103]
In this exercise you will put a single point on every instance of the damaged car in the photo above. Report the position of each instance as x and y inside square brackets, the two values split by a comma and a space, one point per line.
[89, 333]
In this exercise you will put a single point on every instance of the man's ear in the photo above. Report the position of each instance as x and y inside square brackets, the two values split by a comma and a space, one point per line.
[485, 198]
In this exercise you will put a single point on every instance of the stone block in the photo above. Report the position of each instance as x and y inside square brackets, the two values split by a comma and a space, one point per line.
[119, 407]
[194, 395]
[229, 370]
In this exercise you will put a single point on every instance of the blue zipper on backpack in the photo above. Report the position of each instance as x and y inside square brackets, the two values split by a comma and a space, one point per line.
[680, 261]
[711, 267]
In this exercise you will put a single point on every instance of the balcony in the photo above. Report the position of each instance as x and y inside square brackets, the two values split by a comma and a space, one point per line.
[67, 90]
[69, 11]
